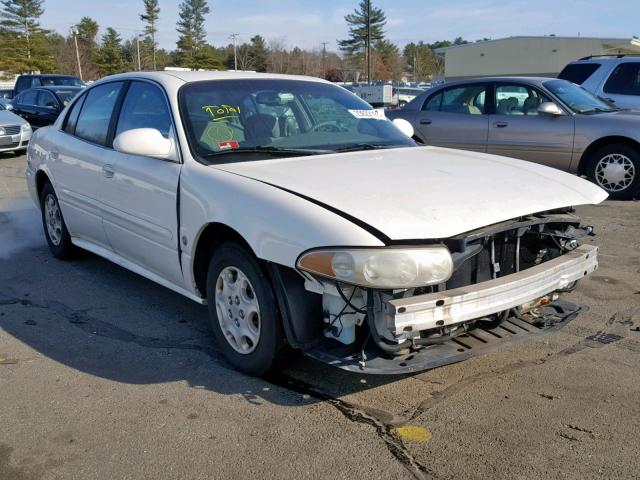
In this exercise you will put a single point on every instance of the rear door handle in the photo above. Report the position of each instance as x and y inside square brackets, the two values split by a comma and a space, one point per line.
[425, 121]
[108, 171]
[500, 124]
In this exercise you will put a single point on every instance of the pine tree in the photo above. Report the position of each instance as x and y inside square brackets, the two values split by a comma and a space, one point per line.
[150, 17]
[23, 46]
[191, 43]
[355, 46]
[110, 58]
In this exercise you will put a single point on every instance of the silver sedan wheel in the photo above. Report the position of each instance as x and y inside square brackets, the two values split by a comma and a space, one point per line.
[238, 310]
[615, 172]
[53, 219]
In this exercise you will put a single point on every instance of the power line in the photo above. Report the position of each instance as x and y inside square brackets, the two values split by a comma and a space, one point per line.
[324, 57]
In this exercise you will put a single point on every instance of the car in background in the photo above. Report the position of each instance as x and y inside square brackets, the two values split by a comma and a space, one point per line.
[406, 94]
[6, 93]
[15, 132]
[24, 82]
[41, 106]
[543, 120]
[615, 78]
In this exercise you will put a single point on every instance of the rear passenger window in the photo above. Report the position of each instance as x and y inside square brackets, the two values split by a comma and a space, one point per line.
[72, 119]
[94, 119]
[433, 104]
[144, 106]
[467, 100]
[625, 80]
[28, 98]
[578, 72]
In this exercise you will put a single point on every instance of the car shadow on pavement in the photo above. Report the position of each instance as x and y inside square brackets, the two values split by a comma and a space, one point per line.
[98, 318]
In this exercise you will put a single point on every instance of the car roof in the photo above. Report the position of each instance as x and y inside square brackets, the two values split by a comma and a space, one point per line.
[607, 59]
[531, 80]
[59, 87]
[173, 80]
[47, 75]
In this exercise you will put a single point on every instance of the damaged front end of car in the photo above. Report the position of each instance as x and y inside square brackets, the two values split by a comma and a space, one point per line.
[422, 304]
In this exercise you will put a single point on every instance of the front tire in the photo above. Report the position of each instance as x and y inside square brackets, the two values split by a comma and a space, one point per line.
[616, 168]
[243, 311]
[55, 229]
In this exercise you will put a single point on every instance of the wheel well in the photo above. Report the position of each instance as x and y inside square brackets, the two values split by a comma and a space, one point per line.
[213, 235]
[41, 180]
[598, 144]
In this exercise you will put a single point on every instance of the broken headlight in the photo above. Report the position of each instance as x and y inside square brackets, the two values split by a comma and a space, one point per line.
[384, 268]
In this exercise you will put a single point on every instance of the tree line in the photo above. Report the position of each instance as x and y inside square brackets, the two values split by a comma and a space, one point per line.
[25, 46]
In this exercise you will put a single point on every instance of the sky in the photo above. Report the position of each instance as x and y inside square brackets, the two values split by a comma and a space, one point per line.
[307, 23]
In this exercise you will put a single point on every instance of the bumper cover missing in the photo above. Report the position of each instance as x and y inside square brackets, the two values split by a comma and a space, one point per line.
[433, 310]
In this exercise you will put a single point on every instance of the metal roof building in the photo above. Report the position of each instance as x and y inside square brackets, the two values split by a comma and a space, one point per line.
[532, 56]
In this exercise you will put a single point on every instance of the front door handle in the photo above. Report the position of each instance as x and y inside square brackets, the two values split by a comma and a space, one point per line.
[500, 124]
[425, 121]
[108, 171]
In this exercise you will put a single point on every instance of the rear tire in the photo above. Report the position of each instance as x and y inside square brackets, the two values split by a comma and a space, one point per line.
[243, 311]
[616, 169]
[55, 229]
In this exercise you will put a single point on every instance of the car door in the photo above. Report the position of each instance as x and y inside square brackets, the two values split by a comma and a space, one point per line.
[47, 108]
[517, 129]
[455, 117]
[25, 106]
[140, 212]
[78, 161]
[623, 86]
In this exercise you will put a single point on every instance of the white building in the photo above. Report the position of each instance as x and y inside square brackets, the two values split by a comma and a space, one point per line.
[532, 56]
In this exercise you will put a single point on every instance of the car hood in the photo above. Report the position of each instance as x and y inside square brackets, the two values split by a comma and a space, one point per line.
[423, 192]
[9, 118]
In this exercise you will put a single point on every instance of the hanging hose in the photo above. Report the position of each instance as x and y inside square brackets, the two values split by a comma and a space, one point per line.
[385, 346]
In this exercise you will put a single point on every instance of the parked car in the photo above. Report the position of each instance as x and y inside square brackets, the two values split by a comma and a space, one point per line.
[24, 82]
[305, 219]
[6, 104]
[41, 106]
[6, 93]
[405, 95]
[15, 132]
[543, 120]
[615, 78]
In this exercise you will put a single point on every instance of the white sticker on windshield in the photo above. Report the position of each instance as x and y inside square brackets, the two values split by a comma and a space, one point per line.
[371, 114]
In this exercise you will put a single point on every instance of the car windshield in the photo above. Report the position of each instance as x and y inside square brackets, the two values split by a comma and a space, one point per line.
[66, 81]
[226, 120]
[66, 96]
[577, 98]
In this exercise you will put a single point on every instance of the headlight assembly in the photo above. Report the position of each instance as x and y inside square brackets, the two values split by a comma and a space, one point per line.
[26, 127]
[385, 268]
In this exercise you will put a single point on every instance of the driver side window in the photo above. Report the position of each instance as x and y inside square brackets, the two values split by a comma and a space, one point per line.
[47, 100]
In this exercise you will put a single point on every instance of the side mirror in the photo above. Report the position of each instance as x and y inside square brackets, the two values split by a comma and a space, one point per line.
[404, 126]
[146, 142]
[550, 108]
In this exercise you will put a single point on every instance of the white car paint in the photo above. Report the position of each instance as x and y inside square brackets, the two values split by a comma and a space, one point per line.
[125, 207]
[10, 120]
[427, 192]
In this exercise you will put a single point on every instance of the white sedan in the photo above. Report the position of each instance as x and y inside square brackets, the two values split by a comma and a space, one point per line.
[306, 220]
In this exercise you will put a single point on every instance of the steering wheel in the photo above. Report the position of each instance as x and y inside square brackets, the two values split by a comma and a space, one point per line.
[328, 127]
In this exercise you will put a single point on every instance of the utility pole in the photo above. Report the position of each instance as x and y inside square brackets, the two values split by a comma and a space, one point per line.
[233, 37]
[138, 49]
[74, 31]
[324, 59]
[369, 41]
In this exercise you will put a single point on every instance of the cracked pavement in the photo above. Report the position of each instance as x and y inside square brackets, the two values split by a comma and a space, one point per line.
[104, 374]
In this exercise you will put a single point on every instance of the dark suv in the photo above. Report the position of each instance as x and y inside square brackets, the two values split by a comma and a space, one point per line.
[25, 82]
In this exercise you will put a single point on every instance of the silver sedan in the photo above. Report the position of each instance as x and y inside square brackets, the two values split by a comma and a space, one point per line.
[15, 131]
[543, 120]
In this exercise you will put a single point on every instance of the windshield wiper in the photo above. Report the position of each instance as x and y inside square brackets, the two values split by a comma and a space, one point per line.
[600, 110]
[363, 146]
[271, 151]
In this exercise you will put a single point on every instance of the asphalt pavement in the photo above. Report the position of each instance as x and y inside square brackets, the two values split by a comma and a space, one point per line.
[104, 374]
